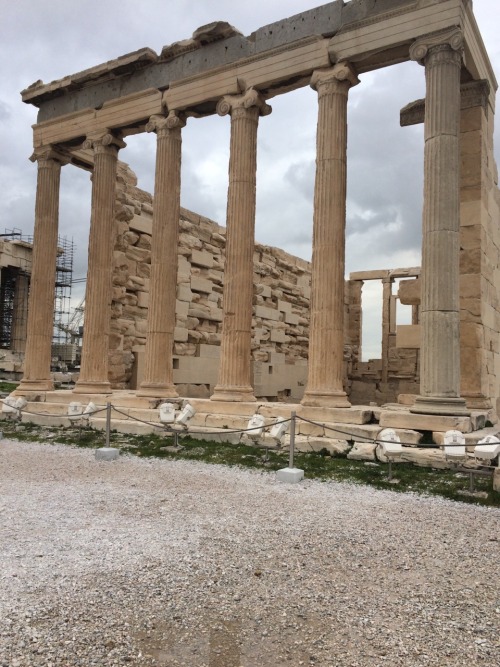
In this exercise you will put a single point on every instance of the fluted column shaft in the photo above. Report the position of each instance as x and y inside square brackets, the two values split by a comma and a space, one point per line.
[43, 274]
[94, 366]
[235, 382]
[326, 329]
[440, 306]
[158, 371]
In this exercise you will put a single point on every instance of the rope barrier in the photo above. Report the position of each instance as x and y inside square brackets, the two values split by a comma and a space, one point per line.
[51, 414]
[165, 426]
[367, 438]
[141, 421]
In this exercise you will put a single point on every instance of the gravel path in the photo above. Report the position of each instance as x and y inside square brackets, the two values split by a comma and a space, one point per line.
[148, 562]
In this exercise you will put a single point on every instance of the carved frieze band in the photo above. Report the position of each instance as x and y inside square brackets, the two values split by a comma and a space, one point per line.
[229, 104]
[340, 73]
[450, 43]
[160, 124]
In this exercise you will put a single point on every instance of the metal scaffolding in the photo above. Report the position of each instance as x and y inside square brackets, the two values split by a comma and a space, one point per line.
[62, 298]
[14, 295]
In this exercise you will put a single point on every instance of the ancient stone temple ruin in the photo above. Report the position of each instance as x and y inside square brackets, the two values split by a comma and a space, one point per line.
[85, 118]
[15, 269]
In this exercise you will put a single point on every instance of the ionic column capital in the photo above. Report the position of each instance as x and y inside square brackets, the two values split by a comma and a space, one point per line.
[45, 154]
[103, 141]
[231, 104]
[163, 124]
[342, 73]
[448, 43]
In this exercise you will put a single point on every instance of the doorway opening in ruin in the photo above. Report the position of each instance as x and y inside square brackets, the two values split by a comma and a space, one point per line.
[371, 331]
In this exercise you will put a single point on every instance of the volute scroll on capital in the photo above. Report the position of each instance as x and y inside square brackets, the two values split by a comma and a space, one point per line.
[102, 141]
[247, 100]
[342, 72]
[49, 153]
[173, 121]
[448, 40]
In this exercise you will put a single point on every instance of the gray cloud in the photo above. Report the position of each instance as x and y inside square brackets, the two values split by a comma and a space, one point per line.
[48, 40]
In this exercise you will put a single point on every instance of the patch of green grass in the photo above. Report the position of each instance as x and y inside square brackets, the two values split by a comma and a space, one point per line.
[318, 465]
[7, 387]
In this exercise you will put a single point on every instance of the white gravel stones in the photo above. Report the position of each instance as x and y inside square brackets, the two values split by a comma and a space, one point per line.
[147, 562]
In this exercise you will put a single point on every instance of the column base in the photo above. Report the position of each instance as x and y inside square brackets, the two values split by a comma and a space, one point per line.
[157, 390]
[233, 393]
[26, 386]
[90, 387]
[323, 399]
[477, 401]
[431, 405]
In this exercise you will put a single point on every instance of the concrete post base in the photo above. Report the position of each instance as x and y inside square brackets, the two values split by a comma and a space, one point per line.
[290, 475]
[107, 454]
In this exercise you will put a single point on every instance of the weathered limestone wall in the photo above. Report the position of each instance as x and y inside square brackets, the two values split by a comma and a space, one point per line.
[281, 303]
[479, 260]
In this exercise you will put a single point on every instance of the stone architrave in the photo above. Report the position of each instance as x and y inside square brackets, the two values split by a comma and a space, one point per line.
[326, 332]
[40, 324]
[158, 373]
[235, 371]
[94, 366]
[441, 54]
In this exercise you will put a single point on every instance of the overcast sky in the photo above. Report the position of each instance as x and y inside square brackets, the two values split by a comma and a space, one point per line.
[48, 39]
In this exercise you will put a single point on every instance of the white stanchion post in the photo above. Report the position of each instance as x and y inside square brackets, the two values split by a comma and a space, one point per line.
[108, 422]
[107, 453]
[291, 475]
[292, 439]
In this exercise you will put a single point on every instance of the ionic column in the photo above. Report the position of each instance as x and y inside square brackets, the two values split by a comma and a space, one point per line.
[326, 330]
[43, 273]
[440, 317]
[158, 373]
[94, 366]
[235, 372]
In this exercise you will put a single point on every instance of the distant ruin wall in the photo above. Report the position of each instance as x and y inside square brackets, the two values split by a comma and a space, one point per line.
[281, 300]
[280, 315]
[281, 303]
